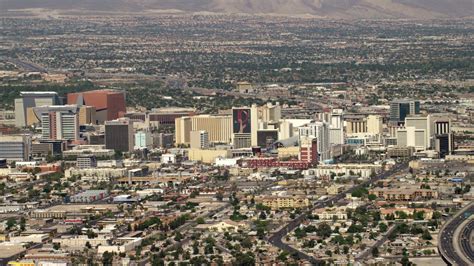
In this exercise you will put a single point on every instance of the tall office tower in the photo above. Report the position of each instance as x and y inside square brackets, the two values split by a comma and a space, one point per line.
[183, 127]
[199, 139]
[336, 125]
[285, 130]
[270, 113]
[119, 135]
[309, 149]
[443, 137]
[143, 140]
[15, 148]
[59, 122]
[29, 100]
[109, 104]
[399, 109]
[245, 126]
[374, 124]
[320, 131]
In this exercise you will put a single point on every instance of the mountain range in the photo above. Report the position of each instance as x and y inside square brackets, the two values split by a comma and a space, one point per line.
[421, 9]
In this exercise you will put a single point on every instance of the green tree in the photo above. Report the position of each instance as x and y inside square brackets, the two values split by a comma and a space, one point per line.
[107, 258]
[11, 222]
[375, 252]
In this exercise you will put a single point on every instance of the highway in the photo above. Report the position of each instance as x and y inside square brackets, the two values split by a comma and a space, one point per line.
[465, 241]
[276, 238]
[454, 238]
[28, 66]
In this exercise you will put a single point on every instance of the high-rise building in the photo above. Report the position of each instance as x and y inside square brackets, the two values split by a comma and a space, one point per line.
[400, 109]
[199, 139]
[30, 100]
[309, 149]
[335, 118]
[356, 125]
[443, 137]
[420, 122]
[266, 137]
[87, 115]
[183, 128]
[15, 148]
[244, 126]
[320, 131]
[143, 140]
[374, 124]
[219, 128]
[163, 140]
[412, 137]
[285, 130]
[109, 104]
[270, 113]
[59, 122]
[119, 135]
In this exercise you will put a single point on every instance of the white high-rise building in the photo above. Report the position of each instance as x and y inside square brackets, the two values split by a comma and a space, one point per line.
[270, 113]
[59, 122]
[320, 131]
[285, 130]
[336, 125]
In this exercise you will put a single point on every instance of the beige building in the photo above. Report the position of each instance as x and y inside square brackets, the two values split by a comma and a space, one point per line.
[363, 170]
[182, 130]
[288, 152]
[218, 127]
[199, 139]
[374, 124]
[207, 156]
[335, 189]
[404, 194]
[228, 226]
[356, 125]
[285, 202]
[87, 115]
[31, 118]
[338, 213]
[244, 87]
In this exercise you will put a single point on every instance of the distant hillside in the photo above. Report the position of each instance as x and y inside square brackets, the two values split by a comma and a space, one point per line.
[321, 8]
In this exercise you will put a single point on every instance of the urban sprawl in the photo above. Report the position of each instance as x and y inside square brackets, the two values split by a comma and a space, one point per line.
[159, 141]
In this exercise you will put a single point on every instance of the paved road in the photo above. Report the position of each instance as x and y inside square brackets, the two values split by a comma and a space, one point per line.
[377, 244]
[465, 241]
[447, 236]
[276, 238]
[28, 66]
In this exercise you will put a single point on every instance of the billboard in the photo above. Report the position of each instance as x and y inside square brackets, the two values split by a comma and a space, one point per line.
[241, 119]
[266, 138]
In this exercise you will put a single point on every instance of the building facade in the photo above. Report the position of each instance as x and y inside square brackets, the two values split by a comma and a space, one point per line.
[119, 135]
[109, 104]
